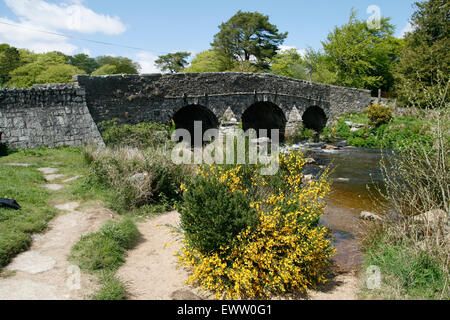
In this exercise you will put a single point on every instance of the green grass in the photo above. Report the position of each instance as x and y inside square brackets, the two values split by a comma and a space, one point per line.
[407, 273]
[104, 252]
[400, 133]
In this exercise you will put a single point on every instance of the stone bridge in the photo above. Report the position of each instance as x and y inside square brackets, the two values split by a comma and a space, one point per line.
[49, 113]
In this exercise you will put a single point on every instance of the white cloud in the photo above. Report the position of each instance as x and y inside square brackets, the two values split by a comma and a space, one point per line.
[301, 52]
[33, 15]
[147, 62]
[408, 28]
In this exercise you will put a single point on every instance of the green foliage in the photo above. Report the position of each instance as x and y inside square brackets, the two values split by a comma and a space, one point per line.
[379, 114]
[142, 135]
[112, 289]
[84, 62]
[123, 65]
[105, 70]
[9, 60]
[173, 62]
[207, 61]
[212, 216]
[301, 133]
[105, 250]
[45, 68]
[289, 64]
[425, 56]
[248, 35]
[363, 57]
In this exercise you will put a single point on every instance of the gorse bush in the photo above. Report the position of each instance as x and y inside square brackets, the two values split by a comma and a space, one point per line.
[142, 135]
[273, 245]
[379, 114]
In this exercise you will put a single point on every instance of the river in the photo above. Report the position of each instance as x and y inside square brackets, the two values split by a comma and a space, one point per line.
[354, 170]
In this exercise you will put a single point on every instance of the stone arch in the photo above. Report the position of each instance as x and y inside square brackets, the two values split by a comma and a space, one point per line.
[186, 117]
[315, 118]
[265, 115]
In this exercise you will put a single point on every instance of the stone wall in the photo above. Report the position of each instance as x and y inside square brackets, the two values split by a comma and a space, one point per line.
[51, 116]
[156, 97]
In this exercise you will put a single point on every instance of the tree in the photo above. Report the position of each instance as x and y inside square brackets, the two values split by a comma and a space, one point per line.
[425, 58]
[249, 37]
[43, 68]
[123, 65]
[84, 62]
[105, 70]
[173, 62]
[207, 61]
[289, 64]
[363, 57]
[9, 60]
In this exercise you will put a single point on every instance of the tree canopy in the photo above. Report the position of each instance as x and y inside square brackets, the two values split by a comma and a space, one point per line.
[248, 37]
[207, 61]
[289, 64]
[425, 58]
[173, 62]
[123, 65]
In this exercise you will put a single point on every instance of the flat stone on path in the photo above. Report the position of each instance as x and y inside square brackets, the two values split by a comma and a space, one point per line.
[32, 262]
[53, 187]
[24, 165]
[48, 170]
[73, 178]
[51, 177]
[27, 290]
[71, 206]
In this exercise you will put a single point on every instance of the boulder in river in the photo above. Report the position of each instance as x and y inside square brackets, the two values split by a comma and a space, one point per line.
[331, 147]
[370, 216]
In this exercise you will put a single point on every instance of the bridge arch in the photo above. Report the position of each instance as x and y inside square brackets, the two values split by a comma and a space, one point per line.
[186, 117]
[315, 118]
[265, 115]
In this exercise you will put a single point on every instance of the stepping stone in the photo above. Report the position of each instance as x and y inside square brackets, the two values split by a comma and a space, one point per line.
[52, 177]
[11, 289]
[48, 170]
[32, 262]
[73, 178]
[24, 165]
[53, 187]
[71, 206]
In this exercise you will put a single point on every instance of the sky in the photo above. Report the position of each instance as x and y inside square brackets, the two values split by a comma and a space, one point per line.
[143, 29]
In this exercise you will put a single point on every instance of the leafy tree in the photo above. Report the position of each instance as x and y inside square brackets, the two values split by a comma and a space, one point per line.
[105, 70]
[363, 57]
[59, 73]
[319, 67]
[173, 62]
[249, 38]
[207, 61]
[123, 65]
[84, 62]
[425, 57]
[289, 64]
[9, 60]
[44, 68]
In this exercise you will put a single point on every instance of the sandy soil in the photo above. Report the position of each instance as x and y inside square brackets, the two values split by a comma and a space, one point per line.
[151, 270]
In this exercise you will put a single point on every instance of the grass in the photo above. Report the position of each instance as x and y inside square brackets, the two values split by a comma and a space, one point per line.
[104, 252]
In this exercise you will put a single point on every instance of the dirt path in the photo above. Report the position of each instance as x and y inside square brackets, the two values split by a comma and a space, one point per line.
[152, 274]
[43, 272]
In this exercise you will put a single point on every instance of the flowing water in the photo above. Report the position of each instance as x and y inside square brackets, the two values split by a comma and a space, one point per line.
[355, 169]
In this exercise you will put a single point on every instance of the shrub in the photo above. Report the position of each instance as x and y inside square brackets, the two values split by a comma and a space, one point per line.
[281, 249]
[142, 135]
[379, 115]
[301, 134]
[137, 177]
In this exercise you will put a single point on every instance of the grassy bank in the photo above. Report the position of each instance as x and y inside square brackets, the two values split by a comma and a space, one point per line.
[24, 184]
[402, 132]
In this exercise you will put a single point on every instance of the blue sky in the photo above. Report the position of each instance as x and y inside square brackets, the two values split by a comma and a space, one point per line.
[159, 27]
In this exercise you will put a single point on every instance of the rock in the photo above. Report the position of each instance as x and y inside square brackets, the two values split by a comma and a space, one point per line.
[310, 160]
[184, 295]
[52, 177]
[308, 178]
[354, 125]
[138, 179]
[433, 217]
[331, 147]
[370, 216]
[48, 170]
[342, 179]
[354, 130]
[24, 165]
[54, 187]
[73, 178]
